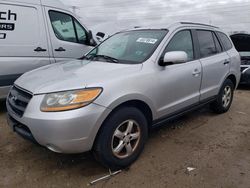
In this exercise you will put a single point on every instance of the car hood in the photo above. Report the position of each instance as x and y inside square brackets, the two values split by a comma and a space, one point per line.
[73, 75]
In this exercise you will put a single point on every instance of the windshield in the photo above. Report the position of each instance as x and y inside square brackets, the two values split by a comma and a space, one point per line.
[131, 47]
[244, 54]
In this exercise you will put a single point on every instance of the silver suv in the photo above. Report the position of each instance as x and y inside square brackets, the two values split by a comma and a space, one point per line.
[108, 101]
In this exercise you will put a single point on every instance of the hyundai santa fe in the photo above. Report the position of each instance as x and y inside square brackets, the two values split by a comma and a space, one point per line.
[108, 101]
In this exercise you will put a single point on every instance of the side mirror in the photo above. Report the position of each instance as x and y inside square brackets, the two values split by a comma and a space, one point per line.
[175, 57]
[100, 36]
[92, 42]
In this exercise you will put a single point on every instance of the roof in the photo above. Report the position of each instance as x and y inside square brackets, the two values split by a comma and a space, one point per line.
[54, 3]
[25, 1]
[51, 3]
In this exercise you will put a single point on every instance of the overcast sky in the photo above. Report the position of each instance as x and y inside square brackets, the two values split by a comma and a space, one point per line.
[114, 15]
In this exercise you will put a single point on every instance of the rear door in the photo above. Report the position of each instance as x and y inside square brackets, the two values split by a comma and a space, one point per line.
[68, 37]
[215, 63]
[23, 42]
[233, 54]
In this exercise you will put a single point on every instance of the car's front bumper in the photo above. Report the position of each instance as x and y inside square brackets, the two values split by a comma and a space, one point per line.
[245, 75]
[65, 132]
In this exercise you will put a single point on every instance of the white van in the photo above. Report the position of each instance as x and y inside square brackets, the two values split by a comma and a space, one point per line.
[34, 33]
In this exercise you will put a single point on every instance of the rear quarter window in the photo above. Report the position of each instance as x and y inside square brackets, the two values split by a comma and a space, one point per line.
[225, 41]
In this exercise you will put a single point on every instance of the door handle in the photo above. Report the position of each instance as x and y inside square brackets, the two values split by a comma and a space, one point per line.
[61, 49]
[39, 49]
[226, 62]
[196, 72]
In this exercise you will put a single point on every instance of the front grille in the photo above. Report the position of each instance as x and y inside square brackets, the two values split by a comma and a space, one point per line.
[18, 100]
[245, 62]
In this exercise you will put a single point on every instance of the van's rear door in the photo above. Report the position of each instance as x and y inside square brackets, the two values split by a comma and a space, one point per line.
[23, 41]
[68, 37]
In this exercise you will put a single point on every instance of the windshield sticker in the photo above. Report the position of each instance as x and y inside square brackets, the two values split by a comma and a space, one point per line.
[147, 40]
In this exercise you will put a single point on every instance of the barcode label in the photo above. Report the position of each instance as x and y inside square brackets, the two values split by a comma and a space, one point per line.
[147, 40]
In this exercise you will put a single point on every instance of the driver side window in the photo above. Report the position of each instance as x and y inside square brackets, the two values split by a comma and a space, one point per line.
[81, 33]
[67, 28]
[182, 41]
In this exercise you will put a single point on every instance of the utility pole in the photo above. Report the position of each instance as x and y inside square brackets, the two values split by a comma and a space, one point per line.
[74, 10]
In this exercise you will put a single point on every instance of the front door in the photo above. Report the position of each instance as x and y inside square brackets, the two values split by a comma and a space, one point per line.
[180, 83]
[68, 37]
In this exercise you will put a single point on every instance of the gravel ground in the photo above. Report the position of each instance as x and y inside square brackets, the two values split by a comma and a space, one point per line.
[217, 146]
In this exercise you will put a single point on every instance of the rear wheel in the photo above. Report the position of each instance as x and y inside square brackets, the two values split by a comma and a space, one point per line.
[121, 138]
[224, 99]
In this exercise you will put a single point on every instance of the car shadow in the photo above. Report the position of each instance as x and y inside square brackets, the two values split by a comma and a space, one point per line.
[84, 164]
[2, 106]
[182, 120]
[82, 167]
[244, 87]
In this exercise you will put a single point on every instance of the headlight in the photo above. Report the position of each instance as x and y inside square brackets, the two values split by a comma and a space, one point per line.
[69, 100]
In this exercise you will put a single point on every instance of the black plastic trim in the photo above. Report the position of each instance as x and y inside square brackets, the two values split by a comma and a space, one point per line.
[168, 118]
[22, 130]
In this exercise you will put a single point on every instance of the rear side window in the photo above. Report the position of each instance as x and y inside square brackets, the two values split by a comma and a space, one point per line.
[66, 28]
[225, 41]
[182, 41]
[207, 42]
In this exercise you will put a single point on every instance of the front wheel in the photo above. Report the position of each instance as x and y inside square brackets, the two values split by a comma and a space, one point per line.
[121, 138]
[224, 99]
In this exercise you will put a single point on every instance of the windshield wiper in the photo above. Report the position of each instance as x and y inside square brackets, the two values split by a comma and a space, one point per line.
[83, 57]
[114, 60]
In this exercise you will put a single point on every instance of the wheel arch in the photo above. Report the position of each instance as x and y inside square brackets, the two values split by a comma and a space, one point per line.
[143, 106]
[140, 105]
[232, 77]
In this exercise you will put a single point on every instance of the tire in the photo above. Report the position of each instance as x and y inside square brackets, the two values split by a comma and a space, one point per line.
[224, 100]
[111, 138]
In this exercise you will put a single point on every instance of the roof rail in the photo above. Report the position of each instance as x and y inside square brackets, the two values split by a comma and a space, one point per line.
[199, 24]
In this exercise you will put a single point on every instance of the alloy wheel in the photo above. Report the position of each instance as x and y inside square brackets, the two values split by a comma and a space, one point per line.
[227, 96]
[126, 139]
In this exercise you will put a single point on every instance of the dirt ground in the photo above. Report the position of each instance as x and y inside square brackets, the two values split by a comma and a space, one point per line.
[217, 146]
